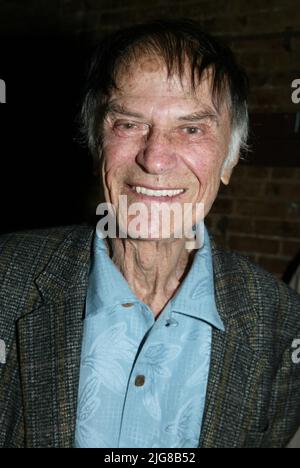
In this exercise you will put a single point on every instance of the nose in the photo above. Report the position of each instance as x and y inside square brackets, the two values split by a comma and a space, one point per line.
[158, 156]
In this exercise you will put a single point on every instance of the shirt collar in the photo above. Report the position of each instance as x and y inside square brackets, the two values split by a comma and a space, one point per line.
[107, 286]
[195, 297]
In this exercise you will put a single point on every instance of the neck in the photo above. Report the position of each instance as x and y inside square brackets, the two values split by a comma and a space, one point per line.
[153, 269]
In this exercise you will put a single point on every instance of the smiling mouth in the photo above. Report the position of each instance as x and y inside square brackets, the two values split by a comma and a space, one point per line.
[157, 193]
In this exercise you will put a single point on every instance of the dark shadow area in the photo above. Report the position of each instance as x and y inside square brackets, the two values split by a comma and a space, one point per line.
[291, 269]
[44, 175]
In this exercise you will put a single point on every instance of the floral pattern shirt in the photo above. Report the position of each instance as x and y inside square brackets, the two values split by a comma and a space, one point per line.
[143, 381]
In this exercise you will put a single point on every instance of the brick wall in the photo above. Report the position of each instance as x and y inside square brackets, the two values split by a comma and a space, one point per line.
[264, 35]
[259, 213]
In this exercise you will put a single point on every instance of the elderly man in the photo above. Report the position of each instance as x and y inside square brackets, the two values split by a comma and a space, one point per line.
[138, 339]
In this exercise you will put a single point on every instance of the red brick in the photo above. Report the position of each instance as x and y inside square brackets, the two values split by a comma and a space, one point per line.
[261, 208]
[244, 171]
[295, 43]
[251, 61]
[285, 173]
[274, 265]
[240, 225]
[245, 189]
[294, 210]
[240, 172]
[287, 191]
[273, 21]
[259, 22]
[290, 248]
[270, 96]
[71, 7]
[253, 44]
[284, 60]
[278, 228]
[253, 244]
[225, 225]
[270, 60]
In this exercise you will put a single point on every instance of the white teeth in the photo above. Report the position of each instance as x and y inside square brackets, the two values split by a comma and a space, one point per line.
[158, 193]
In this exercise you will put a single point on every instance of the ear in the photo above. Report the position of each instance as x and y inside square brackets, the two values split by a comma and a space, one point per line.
[227, 169]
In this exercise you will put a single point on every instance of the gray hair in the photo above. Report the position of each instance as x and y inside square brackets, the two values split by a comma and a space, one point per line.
[174, 42]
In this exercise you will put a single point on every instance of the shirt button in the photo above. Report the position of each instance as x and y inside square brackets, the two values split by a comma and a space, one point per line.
[128, 304]
[139, 380]
[171, 323]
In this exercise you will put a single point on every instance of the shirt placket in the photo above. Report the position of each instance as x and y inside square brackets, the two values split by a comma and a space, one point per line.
[138, 383]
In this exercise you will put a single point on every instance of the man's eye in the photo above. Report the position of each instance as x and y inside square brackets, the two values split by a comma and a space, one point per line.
[192, 130]
[126, 126]
[125, 129]
[130, 128]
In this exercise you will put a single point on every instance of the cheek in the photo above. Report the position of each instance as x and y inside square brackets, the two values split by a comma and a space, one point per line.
[207, 171]
[117, 160]
[119, 151]
[205, 164]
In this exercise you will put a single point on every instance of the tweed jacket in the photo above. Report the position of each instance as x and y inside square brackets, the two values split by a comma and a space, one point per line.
[253, 397]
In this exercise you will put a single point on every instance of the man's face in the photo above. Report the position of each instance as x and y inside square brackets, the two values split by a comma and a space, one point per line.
[161, 135]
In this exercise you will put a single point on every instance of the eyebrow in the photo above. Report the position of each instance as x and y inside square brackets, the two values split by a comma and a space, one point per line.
[207, 113]
[119, 109]
[200, 115]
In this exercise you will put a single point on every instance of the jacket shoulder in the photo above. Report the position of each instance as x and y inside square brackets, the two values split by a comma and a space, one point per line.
[24, 255]
[25, 247]
[277, 305]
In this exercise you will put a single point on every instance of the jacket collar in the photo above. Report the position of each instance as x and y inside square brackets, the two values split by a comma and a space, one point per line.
[50, 344]
[235, 359]
[50, 348]
[68, 266]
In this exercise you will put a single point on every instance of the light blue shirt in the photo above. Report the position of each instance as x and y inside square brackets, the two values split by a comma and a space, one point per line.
[143, 381]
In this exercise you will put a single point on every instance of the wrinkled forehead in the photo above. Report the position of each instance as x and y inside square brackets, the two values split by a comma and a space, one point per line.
[147, 77]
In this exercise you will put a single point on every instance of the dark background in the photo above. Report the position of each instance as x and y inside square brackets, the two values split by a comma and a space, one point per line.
[46, 178]
[44, 173]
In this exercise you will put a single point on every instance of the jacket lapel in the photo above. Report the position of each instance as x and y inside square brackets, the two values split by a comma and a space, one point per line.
[50, 344]
[235, 363]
